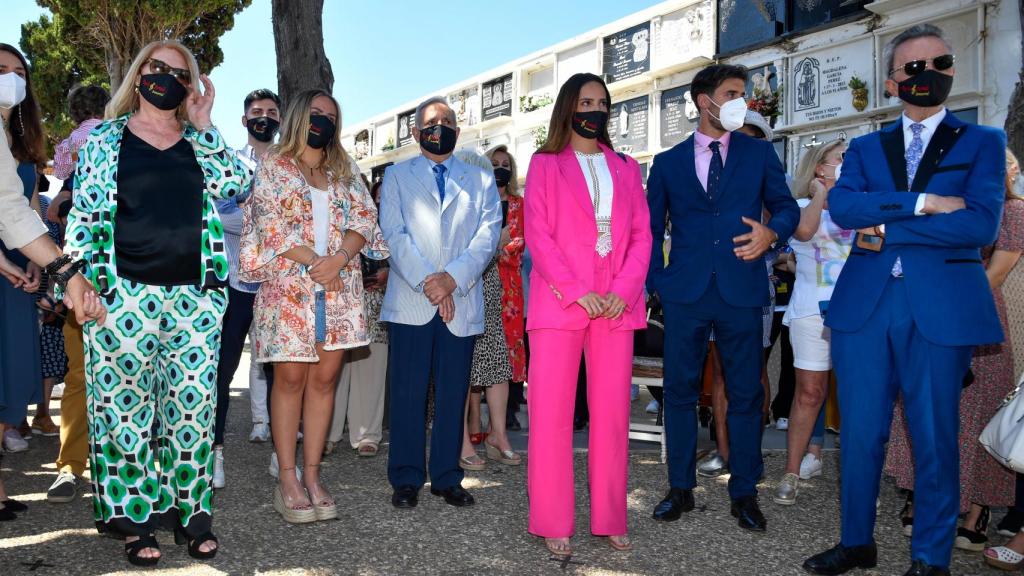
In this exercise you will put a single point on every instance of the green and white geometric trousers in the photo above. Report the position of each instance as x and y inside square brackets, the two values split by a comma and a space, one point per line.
[155, 355]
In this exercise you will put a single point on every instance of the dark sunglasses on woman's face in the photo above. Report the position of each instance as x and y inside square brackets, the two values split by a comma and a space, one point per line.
[161, 67]
[944, 62]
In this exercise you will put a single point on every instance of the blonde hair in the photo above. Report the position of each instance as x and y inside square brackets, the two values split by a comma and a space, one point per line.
[512, 189]
[1011, 160]
[126, 99]
[806, 171]
[295, 130]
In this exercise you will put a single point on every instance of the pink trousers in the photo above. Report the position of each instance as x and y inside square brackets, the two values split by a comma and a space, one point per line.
[554, 367]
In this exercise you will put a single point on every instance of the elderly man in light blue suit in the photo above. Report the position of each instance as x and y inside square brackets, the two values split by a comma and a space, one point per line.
[441, 219]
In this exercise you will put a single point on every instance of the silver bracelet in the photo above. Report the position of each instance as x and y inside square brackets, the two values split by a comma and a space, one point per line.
[348, 257]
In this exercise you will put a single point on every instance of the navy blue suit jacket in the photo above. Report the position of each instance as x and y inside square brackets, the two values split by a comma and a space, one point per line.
[951, 300]
[703, 227]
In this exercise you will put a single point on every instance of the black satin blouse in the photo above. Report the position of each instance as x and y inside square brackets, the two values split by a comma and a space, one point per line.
[158, 226]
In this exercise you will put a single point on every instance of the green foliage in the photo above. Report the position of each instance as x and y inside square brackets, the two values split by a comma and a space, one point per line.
[95, 41]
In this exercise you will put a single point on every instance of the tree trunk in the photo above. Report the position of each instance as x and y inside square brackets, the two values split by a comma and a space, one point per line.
[1015, 115]
[302, 63]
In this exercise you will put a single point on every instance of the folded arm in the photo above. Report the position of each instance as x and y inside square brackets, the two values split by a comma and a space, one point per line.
[976, 225]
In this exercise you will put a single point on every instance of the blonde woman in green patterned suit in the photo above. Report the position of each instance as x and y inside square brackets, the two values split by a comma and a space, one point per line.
[144, 222]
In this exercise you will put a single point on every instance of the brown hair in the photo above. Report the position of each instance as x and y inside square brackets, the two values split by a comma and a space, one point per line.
[560, 128]
[1011, 160]
[27, 141]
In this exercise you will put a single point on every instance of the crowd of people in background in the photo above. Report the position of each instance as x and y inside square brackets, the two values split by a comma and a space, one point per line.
[447, 283]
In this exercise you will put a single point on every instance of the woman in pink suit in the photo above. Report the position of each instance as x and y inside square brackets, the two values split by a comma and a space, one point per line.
[587, 228]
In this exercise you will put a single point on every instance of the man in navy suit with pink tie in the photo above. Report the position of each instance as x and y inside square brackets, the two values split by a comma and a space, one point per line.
[713, 187]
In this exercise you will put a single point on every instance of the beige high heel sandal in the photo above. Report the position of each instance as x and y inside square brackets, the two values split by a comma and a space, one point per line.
[507, 457]
[296, 515]
[557, 547]
[326, 508]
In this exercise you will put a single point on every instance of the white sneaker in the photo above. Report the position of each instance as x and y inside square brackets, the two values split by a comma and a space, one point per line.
[260, 433]
[58, 391]
[782, 424]
[275, 469]
[218, 467]
[13, 442]
[652, 407]
[810, 466]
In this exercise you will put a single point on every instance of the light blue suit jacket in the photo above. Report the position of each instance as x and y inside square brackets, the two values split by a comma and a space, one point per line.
[425, 236]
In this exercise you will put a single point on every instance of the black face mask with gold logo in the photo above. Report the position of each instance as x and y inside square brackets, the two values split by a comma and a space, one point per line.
[438, 139]
[927, 89]
[162, 90]
[589, 124]
[321, 131]
[262, 128]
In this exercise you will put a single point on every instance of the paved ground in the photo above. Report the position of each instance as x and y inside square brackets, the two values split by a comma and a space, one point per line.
[372, 538]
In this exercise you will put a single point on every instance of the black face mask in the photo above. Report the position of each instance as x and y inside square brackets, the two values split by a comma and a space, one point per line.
[589, 124]
[927, 89]
[262, 128]
[162, 90]
[438, 139]
[502, 176]
[321, 131]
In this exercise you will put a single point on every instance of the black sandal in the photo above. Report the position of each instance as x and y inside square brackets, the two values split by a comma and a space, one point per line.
[133, 549]
[194, 543]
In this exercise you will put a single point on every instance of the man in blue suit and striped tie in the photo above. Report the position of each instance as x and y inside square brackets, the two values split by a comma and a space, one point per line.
[441, 219]
[925, 194]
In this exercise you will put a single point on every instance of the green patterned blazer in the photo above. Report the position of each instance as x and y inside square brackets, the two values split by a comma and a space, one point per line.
[90, 231]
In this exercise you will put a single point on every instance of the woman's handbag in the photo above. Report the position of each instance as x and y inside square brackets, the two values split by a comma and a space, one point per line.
[1003, 437]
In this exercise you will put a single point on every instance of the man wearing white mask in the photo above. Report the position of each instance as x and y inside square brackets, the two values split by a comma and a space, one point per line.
[712, 187]
[21, 228]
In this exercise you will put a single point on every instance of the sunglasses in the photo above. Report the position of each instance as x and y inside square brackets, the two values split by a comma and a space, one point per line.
[944, 62]
[161, 67]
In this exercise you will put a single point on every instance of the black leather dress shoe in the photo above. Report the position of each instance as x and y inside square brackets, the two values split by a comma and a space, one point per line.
[677, 501]
[841, 559]
[455, 495]
[405, 496]
[747, 511]
[919, 568]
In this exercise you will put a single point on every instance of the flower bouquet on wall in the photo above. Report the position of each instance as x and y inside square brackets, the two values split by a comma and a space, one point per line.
[767, 103]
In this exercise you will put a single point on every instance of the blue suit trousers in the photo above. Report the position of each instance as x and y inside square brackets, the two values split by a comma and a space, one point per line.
[886, 356]
[417, 353]
[739, 335]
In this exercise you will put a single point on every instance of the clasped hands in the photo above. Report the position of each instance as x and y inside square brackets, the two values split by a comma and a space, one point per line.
[609, 306]
[933, 204]
[325, 271]
[438, 288]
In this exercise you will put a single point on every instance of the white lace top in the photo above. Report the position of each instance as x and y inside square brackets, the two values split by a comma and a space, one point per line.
[599, 183]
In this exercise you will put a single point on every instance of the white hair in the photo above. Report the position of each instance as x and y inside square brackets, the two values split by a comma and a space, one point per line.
[429, 101]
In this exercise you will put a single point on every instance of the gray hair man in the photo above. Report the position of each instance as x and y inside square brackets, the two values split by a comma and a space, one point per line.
[924, 194]
[441, 219]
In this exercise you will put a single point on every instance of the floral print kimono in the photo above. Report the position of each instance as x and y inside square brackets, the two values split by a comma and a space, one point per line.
[279, 217]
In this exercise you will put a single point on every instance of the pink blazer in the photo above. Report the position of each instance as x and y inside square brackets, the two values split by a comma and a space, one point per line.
[561, 233]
